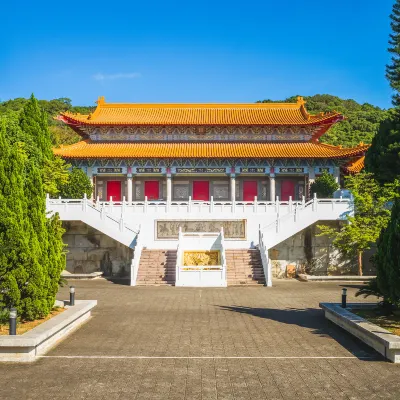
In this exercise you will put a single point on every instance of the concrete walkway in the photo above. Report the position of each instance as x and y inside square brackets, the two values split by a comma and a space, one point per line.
[179, 343]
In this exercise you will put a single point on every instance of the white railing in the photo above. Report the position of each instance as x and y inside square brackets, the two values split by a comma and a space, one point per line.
[99, 218]
[265, 259]
[223, 254]
[190, 206]
[200, 275]
[303, 215]
[179, 255]
[136, 259]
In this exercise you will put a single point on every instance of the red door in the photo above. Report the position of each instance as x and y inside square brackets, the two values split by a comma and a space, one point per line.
[152, 190]
[249, 190]
[114, 190]
[287, 189]
[201, 190]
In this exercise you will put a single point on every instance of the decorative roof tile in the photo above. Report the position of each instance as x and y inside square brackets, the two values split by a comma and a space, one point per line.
[356, 166]
[89, 149]
[200, 114]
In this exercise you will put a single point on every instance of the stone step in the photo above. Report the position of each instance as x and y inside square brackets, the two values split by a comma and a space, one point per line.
[157, 267]
[244, 267]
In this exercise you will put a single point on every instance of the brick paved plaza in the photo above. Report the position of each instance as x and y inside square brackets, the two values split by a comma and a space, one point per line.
[235, 343]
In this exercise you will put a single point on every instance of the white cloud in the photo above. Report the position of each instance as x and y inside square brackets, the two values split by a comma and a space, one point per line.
[102, 77]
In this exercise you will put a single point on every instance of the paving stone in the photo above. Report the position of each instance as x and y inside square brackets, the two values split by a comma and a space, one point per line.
[282, 321]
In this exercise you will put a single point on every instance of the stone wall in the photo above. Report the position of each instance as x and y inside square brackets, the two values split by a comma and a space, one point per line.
[315, 255]
[89, 250]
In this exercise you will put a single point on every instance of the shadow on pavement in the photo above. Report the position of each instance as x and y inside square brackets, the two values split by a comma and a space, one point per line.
[313, 319]
[118, 281]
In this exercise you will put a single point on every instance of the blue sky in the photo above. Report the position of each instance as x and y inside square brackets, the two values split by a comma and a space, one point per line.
[185, 51]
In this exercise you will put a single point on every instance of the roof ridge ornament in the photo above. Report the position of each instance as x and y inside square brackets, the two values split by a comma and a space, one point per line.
[101, 101]
[301, 101]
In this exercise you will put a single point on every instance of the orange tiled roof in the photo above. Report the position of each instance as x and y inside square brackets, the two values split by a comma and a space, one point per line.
[89, 149]
[356, 166]
[200, 114]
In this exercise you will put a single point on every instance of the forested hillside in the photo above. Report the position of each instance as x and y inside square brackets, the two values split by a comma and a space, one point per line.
[61, 133]
[360, 126]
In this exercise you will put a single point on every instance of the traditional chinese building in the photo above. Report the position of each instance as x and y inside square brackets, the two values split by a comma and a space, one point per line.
[208, 154]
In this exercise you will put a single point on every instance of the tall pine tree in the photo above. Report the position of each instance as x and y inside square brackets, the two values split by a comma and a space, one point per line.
[393, 69]
[383, 157]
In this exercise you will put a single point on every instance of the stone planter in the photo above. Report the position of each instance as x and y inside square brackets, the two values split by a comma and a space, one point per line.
[29, 346]
[380, 339]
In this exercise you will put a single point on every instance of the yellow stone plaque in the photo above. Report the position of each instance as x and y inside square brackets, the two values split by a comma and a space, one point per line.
[201, 258]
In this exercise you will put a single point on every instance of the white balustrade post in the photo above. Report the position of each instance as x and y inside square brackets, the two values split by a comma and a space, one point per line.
[190, 204]
[111, 204]
[255, 206]
[123, 209]
[103, 213]
[84, 204]
[233, 188]
[145, 204]
[97, 202]
[121, 224]
[169, 192]
[277, 204]
[315, 202]
[129, 188]
[303, 202]
[290, 204]
[233, 206]
[272, 186]
[212, 204]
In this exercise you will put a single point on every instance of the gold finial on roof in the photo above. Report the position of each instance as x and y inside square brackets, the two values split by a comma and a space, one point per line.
[300, 100]
[361, 144]
[101, 100]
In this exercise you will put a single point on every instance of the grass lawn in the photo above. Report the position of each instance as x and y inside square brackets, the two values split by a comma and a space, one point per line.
[389, 322]
[26, 326]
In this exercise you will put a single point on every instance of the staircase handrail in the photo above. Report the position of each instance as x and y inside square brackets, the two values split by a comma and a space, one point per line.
[88, 204]
[303, 206]
[178, 254]
[264, 259]
[223, 255]
[136, 259]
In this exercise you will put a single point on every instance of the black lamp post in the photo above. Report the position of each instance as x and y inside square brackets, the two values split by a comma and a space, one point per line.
[344, 297]
[72, 295]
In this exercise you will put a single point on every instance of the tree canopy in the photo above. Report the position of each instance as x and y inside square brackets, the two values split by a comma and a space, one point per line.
[371, 214]
[60, 133]
[324, 185]
[31, 247]
[383, 157]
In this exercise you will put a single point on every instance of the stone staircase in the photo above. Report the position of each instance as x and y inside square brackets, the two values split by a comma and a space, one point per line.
[156, 267]
[244, 267]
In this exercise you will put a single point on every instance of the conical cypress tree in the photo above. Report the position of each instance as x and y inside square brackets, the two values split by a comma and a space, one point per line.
[33, 122]
[15, 254]
[383, 157]
[393, 69]
[31, 248]
[387, 258]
